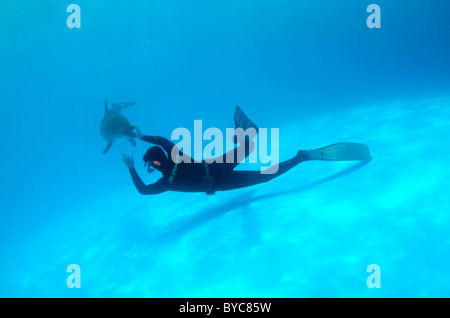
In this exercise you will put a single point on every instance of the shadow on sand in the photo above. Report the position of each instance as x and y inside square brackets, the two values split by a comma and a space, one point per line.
[241, 202]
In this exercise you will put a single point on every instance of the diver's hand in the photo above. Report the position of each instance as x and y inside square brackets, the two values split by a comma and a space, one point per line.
[128, 161]
[138, 133]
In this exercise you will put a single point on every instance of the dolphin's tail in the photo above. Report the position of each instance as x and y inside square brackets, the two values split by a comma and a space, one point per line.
[119, 106]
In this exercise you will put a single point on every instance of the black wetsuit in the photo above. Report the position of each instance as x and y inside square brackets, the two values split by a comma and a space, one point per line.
[190, 177]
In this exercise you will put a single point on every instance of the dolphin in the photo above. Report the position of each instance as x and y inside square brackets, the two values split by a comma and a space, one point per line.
[115, 126]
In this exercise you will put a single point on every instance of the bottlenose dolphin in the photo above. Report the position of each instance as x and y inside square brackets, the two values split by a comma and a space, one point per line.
[114, 126]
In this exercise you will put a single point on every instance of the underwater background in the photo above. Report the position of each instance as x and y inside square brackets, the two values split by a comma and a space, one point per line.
[312, 69]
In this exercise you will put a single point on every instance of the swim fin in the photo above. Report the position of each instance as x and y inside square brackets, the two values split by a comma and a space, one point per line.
[242, 121]
[344, 151]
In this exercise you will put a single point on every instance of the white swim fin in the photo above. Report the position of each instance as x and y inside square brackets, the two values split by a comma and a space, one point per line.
[344, 151]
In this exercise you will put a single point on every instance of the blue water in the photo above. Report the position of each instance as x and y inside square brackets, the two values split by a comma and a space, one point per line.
[312, 69]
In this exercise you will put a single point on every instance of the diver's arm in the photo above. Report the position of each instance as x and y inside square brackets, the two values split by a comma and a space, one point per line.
[154, 188]
[166, 144]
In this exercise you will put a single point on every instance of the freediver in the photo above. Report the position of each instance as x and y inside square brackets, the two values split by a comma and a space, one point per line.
[220, 174]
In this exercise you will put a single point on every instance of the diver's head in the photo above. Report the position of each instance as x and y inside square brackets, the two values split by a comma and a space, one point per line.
[155, 158]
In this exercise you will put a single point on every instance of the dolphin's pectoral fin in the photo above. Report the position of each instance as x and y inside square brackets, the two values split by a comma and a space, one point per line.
[107, 147]
[132, 141]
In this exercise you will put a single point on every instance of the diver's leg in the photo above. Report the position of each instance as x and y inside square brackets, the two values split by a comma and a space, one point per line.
[241, 179]
[235, 156]
[240, 153]
[285, 166]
